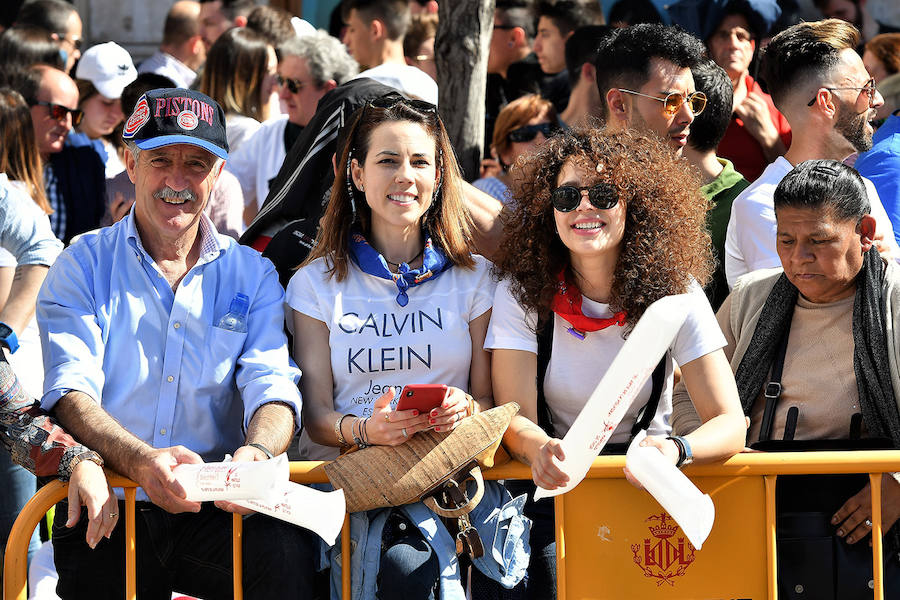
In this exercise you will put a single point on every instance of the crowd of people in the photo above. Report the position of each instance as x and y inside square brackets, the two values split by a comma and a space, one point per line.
[256, 236]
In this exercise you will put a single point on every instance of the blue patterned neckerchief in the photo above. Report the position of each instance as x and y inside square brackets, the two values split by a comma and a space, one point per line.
[434, 262]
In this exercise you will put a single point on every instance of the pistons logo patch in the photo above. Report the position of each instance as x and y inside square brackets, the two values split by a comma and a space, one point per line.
[187, 120]
[138, 118]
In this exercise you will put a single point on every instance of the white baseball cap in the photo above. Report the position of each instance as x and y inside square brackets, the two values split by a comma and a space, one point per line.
[109, 67]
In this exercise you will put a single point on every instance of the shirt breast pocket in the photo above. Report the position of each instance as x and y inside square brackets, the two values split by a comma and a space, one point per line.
[222, 349]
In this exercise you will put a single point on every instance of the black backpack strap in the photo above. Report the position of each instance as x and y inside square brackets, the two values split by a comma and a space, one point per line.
[646, 414]
[773, 389]
[545, 349]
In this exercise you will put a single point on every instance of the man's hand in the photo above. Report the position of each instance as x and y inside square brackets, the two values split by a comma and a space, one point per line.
[242, 454]
[490, 167]
[754, 112]
[852, 516]
[88, 487]
[154, 474]
[119, 207]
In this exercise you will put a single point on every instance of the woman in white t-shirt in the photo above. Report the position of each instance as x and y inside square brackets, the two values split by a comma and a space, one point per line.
[390, 296]
[602, 225]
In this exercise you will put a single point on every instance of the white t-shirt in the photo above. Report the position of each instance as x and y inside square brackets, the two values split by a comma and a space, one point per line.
[410, 80]
[576, 366]
[751, 233]
[259, 159]
[376, 344]
[238, 129]
[114, 164]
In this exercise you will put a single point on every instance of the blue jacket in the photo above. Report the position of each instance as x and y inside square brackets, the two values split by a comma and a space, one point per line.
[881, 165]
[81, 171]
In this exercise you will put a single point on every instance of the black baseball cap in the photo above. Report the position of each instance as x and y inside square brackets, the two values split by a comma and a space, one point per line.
[167, 116]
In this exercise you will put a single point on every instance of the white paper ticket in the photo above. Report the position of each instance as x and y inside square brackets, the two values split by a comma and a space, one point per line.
[233, 480]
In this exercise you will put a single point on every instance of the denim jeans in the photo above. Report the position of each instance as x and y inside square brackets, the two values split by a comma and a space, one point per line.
[409, 567]
[18, 486]
[187, 552]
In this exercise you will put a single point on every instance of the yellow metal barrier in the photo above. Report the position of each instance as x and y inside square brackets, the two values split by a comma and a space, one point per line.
[605, 547]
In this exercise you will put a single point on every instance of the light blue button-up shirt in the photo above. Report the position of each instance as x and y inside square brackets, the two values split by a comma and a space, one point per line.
[112, 327]
[24, 229]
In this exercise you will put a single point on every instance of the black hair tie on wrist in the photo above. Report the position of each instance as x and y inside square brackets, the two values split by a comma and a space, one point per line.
[263, 448]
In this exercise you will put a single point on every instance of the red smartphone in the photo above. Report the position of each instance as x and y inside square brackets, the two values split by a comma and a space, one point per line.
[422, 396]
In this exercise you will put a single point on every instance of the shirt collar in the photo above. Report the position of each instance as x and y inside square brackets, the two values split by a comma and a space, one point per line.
[210, 248]
[726, 179]
[183, 70]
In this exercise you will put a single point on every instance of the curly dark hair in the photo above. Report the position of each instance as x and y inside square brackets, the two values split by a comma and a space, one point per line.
[665, 245]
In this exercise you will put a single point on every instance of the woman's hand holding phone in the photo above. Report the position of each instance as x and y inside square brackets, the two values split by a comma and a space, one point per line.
[388, 427]
[455, 406]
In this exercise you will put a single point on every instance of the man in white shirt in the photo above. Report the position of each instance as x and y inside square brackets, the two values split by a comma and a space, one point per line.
[310, 67]
[374, 37]
[182, 51]
[819, 83]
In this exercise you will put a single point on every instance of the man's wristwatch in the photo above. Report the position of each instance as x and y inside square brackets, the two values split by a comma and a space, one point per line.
[685, 456]
[8, 337]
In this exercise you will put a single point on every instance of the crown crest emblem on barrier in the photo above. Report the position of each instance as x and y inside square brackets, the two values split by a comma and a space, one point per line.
[666, 555]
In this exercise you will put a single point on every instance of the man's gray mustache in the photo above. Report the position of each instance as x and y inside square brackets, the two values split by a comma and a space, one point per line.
[168, 193]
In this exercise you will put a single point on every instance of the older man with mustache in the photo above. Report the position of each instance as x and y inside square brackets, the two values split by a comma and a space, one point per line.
[141, 365]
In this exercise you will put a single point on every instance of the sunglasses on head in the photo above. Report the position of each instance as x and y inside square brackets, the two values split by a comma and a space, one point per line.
[392, 100]
[529, 132]
[672, 102]
[602, 195]
[59, 112]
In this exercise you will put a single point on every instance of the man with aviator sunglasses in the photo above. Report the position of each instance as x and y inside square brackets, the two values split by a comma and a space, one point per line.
[74, 174]
[644, 78]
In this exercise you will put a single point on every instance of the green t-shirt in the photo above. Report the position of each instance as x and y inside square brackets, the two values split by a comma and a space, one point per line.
[721, 192]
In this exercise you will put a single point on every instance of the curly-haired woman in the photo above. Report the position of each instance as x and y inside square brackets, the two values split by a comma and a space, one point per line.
[602, 225]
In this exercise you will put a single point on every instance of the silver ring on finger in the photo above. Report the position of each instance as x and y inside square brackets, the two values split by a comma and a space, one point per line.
[403, 431]
[868, 523]
[113, 515]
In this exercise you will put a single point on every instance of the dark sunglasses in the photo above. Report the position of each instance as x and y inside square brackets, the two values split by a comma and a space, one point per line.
[293, 85]
[529, 132]
[59, 112]
[602, 195]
